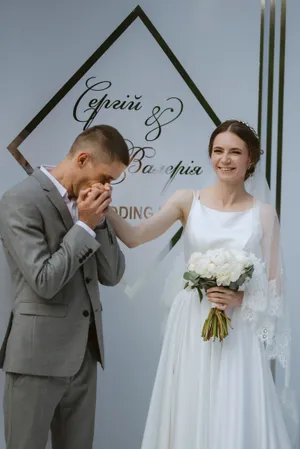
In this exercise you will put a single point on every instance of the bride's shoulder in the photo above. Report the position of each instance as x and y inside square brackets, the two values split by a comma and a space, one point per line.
[184, 195]
[182, 200]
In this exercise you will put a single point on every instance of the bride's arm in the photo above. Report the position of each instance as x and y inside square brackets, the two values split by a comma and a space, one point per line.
[174, 209]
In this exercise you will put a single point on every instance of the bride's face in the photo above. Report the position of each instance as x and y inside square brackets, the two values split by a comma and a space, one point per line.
[230, 157]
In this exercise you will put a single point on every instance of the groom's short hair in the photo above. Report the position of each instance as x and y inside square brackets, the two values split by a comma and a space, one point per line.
[102, 140]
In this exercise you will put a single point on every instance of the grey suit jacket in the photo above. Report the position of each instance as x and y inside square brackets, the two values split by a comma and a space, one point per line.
[55, 267]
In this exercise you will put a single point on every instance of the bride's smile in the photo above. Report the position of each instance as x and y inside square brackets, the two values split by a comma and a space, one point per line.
[230, 158]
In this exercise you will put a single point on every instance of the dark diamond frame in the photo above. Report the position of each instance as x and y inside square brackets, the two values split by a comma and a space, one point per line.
[137, 13]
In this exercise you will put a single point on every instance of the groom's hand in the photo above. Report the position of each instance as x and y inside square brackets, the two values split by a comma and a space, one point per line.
[93, 206]
[103, 188]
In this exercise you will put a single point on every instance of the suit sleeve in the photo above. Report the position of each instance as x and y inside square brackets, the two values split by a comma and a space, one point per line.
[110, 259]
[22, 234]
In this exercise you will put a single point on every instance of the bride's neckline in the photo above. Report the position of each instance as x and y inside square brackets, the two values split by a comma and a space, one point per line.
[226, 211]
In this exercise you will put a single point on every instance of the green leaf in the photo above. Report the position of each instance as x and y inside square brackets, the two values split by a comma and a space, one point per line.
[187, 276]
[190, 276]
[200, 293]
[234, 286]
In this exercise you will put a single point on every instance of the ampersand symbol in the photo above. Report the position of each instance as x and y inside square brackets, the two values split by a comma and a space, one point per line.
[157, 115]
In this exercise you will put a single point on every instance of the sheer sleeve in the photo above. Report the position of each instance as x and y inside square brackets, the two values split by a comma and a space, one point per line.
[266, 307]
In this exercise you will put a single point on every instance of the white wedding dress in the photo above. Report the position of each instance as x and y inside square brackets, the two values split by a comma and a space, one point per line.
[209, 395]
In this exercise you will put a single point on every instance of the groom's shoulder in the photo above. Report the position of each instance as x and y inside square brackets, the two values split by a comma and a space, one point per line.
[26, 190]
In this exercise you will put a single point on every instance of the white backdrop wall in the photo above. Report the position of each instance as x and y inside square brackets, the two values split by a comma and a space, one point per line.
[290, 190]
[42, 44]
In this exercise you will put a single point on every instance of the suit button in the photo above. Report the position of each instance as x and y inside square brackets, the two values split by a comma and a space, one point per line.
[88, 280]
[90, 251]
[85, 313]
[81, 260]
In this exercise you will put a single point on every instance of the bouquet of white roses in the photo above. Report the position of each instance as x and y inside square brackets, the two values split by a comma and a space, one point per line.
[220, 267]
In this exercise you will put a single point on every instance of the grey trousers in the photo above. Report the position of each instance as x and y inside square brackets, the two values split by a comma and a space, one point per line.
[35, 404]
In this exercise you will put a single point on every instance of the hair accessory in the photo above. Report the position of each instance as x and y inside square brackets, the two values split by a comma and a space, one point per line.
[250, 127]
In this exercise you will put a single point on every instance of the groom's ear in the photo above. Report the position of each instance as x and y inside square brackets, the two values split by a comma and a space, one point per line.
[82, 158]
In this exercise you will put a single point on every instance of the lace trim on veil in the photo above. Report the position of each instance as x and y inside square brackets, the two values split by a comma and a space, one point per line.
[265, 309]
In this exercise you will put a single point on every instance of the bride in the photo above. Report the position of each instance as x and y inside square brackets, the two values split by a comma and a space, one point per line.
[207, 394]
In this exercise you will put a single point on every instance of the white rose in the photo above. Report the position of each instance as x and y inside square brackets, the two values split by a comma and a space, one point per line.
[242, 258]
[235, 273]
[207, 274]
[223, 279]
[195, 258]
[212, 269]
[227, 273]
[223, 269]
[191, 267]
[201, 267]
[219, 259]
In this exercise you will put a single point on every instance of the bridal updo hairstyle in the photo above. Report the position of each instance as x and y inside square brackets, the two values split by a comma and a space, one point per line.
[244, 132]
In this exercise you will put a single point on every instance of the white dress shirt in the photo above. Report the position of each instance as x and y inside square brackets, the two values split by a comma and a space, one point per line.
[71, 204]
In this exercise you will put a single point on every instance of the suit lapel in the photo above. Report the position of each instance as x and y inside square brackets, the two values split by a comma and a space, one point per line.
[61, 206]
[54, 196]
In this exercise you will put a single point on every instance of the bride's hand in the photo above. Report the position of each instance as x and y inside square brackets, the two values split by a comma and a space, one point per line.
[224, 297]
[102, 187]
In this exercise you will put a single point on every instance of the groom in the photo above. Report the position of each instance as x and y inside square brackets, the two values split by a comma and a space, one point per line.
[59, 245]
